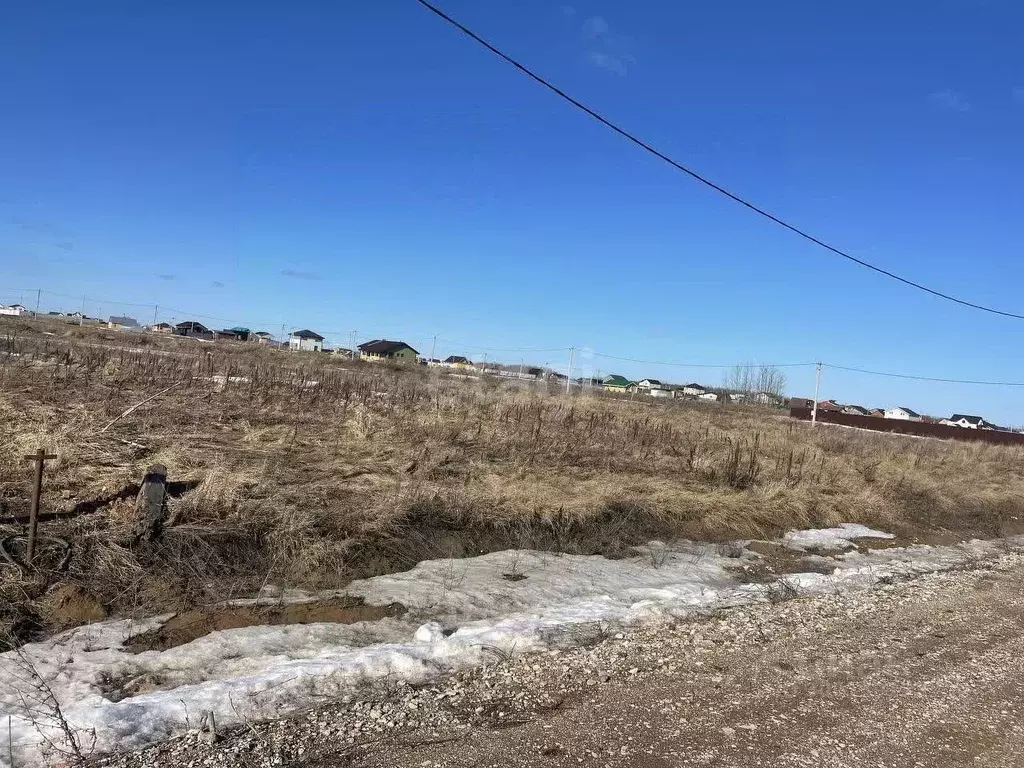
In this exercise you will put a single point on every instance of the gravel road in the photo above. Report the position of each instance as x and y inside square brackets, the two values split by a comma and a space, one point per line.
[927, 672]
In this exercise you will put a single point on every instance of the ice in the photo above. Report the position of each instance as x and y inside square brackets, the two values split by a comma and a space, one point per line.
[828, 539]
[462, 613]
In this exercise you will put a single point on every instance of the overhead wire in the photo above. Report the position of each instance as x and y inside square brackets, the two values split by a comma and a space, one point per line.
[924, 378]
[703, 179]
[702, 365]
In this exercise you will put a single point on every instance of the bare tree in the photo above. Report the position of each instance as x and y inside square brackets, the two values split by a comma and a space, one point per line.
[750, 378]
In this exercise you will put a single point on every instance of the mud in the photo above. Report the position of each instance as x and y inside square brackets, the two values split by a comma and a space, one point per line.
[190, 625]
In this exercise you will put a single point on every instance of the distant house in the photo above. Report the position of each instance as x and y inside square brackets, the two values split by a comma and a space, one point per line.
[238, 333]
[660, 392]
[616, 383]
[800, 403]
[829, 405]
[693, 390]
[383, 350]
[122, 322]
[162, 328]
[902, 413]
[13, 310]
[342, 352]
[765, 398]
[737, 397]
[193, 328]
[306, 341]
[262, 337]
[649, 384]
[855, 410]
[876, 413]
[709, 396]
[967, 422]
[458, 361]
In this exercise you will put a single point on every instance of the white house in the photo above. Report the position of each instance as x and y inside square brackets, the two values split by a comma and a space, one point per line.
[967, 422]
[659, 392]
[306, 341]
[902, 413]
[648, 384]
[15, 310]
[693, 390]
[764, 398]
[710, 396]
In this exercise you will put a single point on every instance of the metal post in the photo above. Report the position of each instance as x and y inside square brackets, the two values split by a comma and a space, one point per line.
[156, 310]
[433, 348]
[39, 457]
[81, 320]
[817, 383]
[39, 294]
[520, 367]
[568, 378]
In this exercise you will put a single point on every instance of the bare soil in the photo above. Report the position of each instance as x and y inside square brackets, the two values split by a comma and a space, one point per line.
[187, 626]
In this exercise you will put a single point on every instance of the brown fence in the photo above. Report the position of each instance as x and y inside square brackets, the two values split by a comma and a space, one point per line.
[918, 428]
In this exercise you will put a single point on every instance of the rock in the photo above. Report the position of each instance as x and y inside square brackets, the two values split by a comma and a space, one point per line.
[431, 632]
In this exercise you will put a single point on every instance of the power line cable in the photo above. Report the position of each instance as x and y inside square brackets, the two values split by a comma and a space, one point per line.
[925, 378]
[703, 180]
[703, 365]
[497, 349]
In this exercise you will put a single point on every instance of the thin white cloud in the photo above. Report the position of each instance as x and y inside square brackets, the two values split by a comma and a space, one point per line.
[595, 27]
[568, 11]
[607, 61]
[299, 274]
[950, 100]
[1018, 95]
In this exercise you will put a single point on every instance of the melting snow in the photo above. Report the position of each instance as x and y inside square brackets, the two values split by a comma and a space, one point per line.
[832, 538]
[460, 611]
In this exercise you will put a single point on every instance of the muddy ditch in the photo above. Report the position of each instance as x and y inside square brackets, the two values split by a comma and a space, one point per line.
[189, 625]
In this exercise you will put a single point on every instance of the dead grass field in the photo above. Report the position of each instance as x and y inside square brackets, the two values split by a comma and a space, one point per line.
[308, 472]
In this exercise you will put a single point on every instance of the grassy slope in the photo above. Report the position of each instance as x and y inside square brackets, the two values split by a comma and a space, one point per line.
[310, 472]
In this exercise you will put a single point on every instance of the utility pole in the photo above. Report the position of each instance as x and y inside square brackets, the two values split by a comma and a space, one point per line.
[433, 347]
[352, 346]
[156, 310]
[81, 320]
[520, 367]
[39, 293]
[568, 378]
[282, 334]
[817, 383]
[485, 365]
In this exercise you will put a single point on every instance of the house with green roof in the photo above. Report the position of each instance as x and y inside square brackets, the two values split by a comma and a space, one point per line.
[616, 383]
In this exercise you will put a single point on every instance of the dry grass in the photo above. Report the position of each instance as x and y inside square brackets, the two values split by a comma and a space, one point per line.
[310, 472]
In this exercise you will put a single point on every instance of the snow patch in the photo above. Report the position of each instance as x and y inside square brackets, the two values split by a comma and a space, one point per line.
[832, 538]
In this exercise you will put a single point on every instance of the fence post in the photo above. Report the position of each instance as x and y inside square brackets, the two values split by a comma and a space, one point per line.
[39, 457]
[151, 504]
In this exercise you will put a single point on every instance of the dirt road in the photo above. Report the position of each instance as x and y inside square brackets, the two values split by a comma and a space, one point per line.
[924, 673]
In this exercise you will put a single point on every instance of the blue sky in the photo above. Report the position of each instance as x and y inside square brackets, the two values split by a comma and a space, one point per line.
[347, 166]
